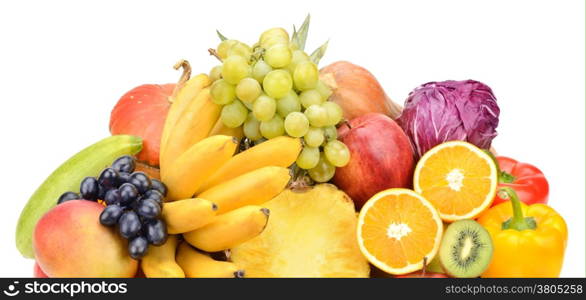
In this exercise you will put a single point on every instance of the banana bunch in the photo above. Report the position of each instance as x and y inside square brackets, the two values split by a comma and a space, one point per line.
[214, 196]
[191, 118]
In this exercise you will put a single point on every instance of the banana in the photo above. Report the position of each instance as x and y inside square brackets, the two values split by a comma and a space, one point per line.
[252, 188]
[222, 129]
[229, 229]
[279, 152]
[199, 265]
[191, 169]
[193, 125]
[188, 214]
[185, 91]
[159, 262]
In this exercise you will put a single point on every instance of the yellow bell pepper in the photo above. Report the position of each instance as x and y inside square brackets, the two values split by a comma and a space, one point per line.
[529, 240]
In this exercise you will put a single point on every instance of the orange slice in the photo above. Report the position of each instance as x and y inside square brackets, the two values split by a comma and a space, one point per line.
[397, 229]
[458, 178]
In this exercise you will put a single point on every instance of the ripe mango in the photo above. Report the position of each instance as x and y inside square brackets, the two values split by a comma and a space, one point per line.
[69, 241]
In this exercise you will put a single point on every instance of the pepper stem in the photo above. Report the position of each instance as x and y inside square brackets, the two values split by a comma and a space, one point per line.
[517, 222]
[505, 177]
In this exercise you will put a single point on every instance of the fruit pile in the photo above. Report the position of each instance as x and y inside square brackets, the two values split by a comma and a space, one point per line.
[270, 167]
[272, 89]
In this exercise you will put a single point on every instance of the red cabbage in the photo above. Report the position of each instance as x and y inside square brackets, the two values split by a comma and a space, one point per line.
[437, 112]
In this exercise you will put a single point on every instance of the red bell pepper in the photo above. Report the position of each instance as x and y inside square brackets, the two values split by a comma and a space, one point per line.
[527, 180]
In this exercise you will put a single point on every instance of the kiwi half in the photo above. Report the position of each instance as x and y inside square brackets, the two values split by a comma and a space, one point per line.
[466, 249]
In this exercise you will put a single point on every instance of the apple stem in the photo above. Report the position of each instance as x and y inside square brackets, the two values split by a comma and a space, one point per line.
[184, 77]
[345, 122]
[214, 53]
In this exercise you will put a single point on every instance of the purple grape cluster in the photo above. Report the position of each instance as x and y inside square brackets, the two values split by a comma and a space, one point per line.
[134, 203]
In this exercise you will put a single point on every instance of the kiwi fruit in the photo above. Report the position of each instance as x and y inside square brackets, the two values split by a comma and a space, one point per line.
[466, 249]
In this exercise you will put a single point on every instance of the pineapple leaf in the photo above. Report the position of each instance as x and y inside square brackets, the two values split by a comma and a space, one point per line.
[300, 36]
[318, 53]
[221, 36]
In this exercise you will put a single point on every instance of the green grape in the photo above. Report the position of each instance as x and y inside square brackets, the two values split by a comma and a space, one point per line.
[224, 46]
[264, 108]
[323, 171]
[308, 158]
[277, 83]
[273, 36]
[323, 89]
[278, 55]
[314, 137]
[216, 73]
[273, 128]
[240, 49]
[309, 98]
[222, 92]
[296, 124]
[248, 89]
[334, 111]
[274, 40]
[260, 70]
[306, 75]
[288, 104]
[274, 32]
[317, 115]
[297, 57]
[234, 114]
[337, 153]
[251, 128]
[331, 133]
[235, 68]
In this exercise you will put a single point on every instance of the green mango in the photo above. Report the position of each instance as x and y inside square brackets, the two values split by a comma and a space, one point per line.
[67, 177]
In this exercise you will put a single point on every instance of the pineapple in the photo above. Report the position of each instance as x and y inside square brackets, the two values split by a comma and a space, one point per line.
[309, 234]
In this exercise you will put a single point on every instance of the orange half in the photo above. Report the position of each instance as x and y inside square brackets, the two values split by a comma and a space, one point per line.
[458, 178]
[397, 229]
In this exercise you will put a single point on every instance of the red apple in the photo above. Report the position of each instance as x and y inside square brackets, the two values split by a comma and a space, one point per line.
[142, 112]
[381, 157]
[38, 272]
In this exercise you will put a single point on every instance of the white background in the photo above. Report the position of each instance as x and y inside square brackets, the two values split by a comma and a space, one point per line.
[63, 65]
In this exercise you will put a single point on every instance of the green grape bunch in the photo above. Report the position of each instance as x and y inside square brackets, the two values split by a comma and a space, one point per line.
[272, 88]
